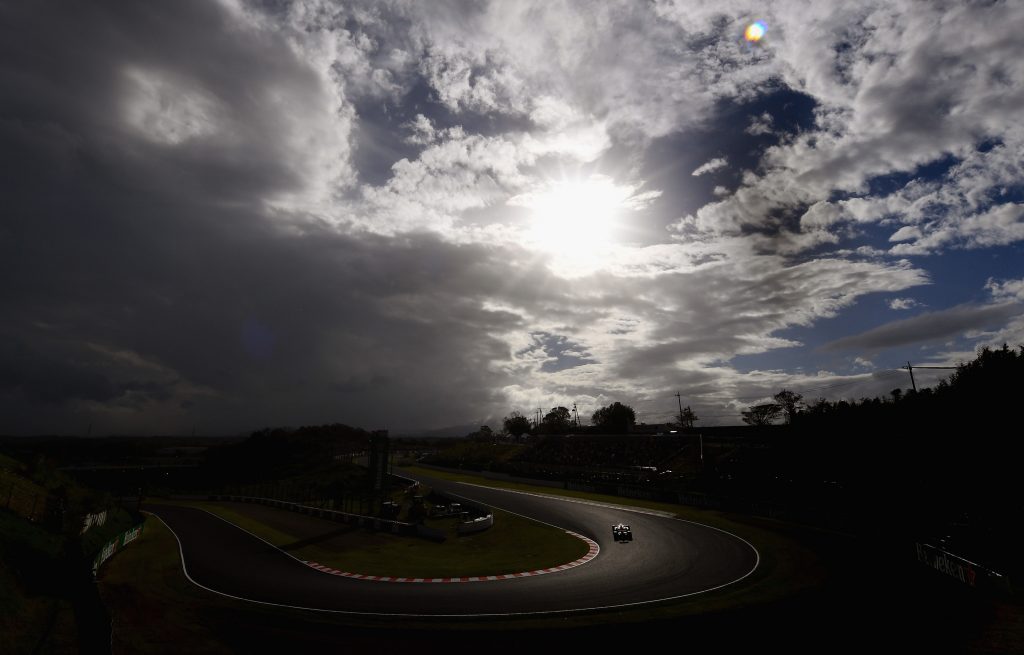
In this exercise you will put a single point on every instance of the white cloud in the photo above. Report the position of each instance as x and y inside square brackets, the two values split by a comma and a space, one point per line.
[903, 303]
[421, 130]
[710, 166]
[1006, 290]
[906, 233]
[760, 125]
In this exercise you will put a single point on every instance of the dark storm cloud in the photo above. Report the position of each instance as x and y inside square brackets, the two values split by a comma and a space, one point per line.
[930, 326]
[149, 275]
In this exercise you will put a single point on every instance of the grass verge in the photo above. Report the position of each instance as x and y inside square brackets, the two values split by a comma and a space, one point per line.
[514, 544]
[34, 615]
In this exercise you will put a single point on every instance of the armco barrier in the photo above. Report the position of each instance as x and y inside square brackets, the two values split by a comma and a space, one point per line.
[115, 545]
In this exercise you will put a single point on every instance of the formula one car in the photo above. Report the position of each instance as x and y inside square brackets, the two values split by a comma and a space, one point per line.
[621, 532]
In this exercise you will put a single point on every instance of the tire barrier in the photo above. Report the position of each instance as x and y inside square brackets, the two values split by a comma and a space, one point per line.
[478, 524]
[482, 522]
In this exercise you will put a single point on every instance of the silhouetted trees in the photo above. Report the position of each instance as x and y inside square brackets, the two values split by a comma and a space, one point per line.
[614, 418]
[790, 403]
[516, 424]
[763, 414]
[557, 421]
[688, 418]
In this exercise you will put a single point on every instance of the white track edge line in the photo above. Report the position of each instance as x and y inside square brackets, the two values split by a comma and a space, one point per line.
[757, 562]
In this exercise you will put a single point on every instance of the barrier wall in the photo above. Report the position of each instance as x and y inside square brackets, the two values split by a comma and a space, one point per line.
[115, 545]
[958, 568]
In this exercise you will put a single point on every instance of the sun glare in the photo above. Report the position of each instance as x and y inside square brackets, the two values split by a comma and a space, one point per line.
[576, 220]
[755, 31]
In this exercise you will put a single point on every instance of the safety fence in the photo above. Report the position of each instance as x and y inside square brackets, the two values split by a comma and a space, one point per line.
[115, 545]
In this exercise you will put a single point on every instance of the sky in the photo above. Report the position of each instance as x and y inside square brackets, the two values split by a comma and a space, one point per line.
[221, 215]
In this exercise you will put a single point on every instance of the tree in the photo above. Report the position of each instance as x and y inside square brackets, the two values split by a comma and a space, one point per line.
[516, 424]
[790, 403]
[688, 418]
[615, 418]
[557, 421]
[762, 414]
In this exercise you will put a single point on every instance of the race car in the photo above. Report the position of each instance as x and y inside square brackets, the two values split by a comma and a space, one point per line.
[621, 532]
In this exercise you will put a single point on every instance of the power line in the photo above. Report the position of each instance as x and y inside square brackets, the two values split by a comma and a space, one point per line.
[910, 369]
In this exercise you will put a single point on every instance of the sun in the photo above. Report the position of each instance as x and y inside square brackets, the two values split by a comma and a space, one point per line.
[577, 220]
[573, 215]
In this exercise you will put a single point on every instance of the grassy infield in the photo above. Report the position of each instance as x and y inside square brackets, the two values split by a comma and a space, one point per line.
[153, 604]
[514, 544]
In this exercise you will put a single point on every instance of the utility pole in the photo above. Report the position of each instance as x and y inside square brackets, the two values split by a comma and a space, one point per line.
[938, 368]
[679, 399]
[577, 413]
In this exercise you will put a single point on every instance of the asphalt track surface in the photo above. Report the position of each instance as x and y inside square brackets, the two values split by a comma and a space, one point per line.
[667, 559]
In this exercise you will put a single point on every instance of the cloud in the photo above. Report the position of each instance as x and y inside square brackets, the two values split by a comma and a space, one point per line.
[237, 214]
[928, 327]
[1006, 290]
[710, 166]
[902, 303]
[761, 125]
[870, 123]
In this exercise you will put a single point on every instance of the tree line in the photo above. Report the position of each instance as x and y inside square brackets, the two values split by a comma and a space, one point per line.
[615, 418]
[789, 405]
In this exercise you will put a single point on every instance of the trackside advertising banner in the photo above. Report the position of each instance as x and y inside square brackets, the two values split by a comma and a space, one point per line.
[958, 568]
[116, 544]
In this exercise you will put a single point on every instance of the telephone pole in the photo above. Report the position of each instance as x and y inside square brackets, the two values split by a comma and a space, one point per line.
[577, 413]
[679, 399]
[911, 368]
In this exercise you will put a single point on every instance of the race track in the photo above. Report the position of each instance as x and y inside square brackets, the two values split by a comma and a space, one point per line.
[667, 559]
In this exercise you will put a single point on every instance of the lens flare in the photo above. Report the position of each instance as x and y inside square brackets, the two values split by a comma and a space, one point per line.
[755, 31]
